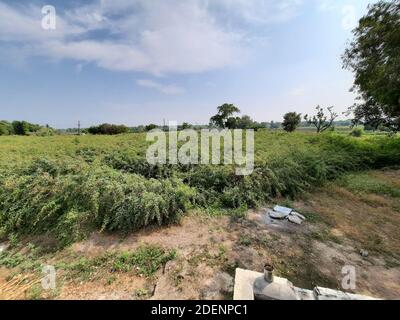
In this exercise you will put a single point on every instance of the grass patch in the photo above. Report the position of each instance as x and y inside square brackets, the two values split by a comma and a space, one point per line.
[367, 183]
[145, 261]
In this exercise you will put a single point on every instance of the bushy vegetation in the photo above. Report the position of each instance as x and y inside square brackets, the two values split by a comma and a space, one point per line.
[23, 128]
[109, 129]
[291, 121]
[69, 186]
[356, 132]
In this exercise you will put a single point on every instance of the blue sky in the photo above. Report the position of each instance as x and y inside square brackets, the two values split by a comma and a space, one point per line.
[142, 61]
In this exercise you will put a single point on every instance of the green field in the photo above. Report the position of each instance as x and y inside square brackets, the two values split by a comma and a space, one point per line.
[67, 186]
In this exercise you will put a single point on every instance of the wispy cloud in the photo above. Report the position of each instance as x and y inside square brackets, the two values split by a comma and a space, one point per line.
[169, 89]
[155, 37]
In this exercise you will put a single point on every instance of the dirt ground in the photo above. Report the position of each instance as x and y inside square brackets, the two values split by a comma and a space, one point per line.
[340, 223]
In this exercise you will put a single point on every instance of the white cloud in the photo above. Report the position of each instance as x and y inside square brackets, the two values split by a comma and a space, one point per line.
[108, 55]
[166, 89]
[24, 25]
[257, 11]
[156, 37]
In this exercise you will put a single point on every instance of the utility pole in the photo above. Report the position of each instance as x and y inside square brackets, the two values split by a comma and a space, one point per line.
[79, 128]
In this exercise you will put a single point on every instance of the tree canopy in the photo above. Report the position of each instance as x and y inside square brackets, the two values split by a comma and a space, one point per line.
[109, 129]
[374, 57]
[224, 119]
[291, 120]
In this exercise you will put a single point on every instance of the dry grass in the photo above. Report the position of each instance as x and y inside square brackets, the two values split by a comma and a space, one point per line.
[18, 287]
[370, 218]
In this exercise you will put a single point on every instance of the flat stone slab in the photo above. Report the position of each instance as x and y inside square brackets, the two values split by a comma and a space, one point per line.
[294, 219]
[244, 289]
[277, 215]
[283, 210]
[296, 214]
[330, 294]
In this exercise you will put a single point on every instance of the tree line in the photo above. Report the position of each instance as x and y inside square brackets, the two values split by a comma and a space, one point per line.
[24, 128]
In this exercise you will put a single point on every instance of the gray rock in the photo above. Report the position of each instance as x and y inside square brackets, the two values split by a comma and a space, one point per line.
[294, 213]
[283, 210]
[277, 215]
[295, 219]
[3, 247]
[364, 253]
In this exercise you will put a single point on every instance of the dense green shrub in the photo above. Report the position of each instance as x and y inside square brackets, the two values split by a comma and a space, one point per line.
[5, 128]
[118, 190]
[66, 199]
[109, 129]
[356, 132]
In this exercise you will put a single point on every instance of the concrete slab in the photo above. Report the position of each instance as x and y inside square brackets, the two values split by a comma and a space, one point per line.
[245, 280]
[283, 210]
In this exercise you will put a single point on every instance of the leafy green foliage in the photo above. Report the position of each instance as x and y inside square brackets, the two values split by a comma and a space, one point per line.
[374, 57]
[224, 119]
[291, 120]
[67, 199]
[321, 120]
[109, 129]
[356, 132]
[5, 128]
[60, 187]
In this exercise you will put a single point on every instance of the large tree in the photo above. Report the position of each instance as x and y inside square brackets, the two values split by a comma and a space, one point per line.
[224, 119]
[291, 121]
[374, 57]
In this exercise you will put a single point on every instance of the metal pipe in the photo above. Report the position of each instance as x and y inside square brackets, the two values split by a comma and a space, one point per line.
[268, 272]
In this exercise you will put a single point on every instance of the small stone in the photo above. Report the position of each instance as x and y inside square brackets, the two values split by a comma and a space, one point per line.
[294, 213]
[3, 247]
[295, 219]
[364, 253]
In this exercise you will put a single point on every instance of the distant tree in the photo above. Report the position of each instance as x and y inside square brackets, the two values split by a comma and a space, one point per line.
[5, 128]
[185, 126]
[108, 129]
[232, 123]
[151, 127]
[23, 128]
[291, 121]
[44, 132]
[138, 129]
[373, 56]
[245, 122]
[224, 119]
[321, 121]
[274, 125]
[20, 128]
